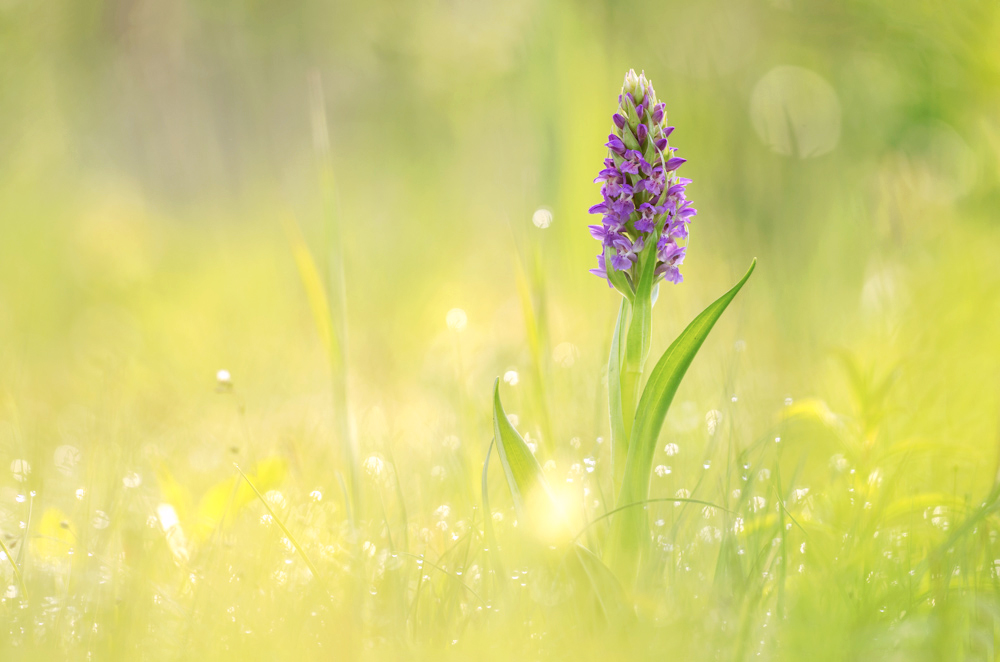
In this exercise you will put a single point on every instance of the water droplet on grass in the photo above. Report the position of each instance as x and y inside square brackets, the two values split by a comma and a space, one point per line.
[101, 520]
[20, 469]
[542, 218]
[456, 319]
[66, 459]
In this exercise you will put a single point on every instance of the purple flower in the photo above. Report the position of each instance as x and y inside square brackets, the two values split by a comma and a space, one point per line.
[614, 181]
[658, 113]
[601, 233]
[654, 183]
[674, 162]
[686, 212]
[601, 269]
[623, 208]
[622, 261]
[676, 228]
[615, 144]
[599, 208]
[647, 218]
[670, 256]
[643, 201]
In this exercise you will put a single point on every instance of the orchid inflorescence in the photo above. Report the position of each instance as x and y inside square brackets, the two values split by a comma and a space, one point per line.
[644, 199]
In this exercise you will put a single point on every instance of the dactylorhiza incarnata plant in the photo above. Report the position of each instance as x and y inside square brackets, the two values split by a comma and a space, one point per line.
[645, 217]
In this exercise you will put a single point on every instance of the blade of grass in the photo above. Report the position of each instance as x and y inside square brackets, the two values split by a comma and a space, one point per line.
[628, 530]
[448, 573]
[336, 287]
[491, 541]
[319, 304]
[312, 281]
[643, 503]
[535, 333]
[284, 529]
[524, 474]
[536, 507]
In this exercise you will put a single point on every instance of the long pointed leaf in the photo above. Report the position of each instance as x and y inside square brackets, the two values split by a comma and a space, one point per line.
[532, 500]
[629, 528]
[539, 511]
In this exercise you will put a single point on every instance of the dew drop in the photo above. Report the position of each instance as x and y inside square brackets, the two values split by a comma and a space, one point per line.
[542, 218]
[101, 520]
[456, 319]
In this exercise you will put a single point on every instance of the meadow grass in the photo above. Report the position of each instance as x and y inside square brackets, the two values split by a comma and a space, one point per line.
[299, 358]
[798, 528]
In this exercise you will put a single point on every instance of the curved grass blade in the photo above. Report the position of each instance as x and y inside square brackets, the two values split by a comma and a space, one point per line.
[536, 508]
[532, 500]
[628, 529]
[17, 570]
[332, 333]
[522, 470]
[312, 282]
[288, 534]
[491, 540]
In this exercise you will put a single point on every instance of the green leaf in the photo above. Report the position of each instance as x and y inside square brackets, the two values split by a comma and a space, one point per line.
[641, 326]
[628, 534]
[532, 500]
[319, 304]
[619, 437]
[542, 517]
